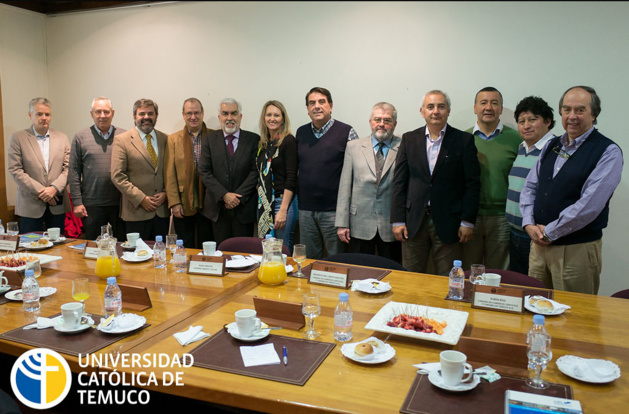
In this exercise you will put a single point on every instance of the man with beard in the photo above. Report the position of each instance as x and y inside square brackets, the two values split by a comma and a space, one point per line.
[435, 189]
[363, 207]
[228, 171]
[137, 171]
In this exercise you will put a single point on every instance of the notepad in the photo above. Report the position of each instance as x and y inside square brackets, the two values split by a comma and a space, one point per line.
[259, 355]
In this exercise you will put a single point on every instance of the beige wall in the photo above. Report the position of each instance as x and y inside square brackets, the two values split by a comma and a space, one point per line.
[363, 52]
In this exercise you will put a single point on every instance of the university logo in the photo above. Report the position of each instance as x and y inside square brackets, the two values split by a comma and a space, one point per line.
[41, 378]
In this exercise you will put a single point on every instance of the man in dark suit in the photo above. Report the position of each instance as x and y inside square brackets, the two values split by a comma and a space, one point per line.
[229, 173]
[436, 189]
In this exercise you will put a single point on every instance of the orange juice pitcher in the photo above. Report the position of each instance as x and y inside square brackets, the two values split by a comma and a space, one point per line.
[107, 263]
[272, 270]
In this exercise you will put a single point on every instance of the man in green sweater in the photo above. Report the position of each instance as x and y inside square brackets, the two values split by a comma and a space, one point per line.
[497, 147]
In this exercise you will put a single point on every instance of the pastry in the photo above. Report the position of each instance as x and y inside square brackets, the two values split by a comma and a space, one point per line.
[544, 305]
[363, 349]
[142, 253]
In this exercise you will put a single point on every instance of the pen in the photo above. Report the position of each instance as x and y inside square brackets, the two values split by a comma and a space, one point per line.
[285, 355]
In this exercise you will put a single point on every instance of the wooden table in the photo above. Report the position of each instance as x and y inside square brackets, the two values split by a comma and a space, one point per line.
[594, 327]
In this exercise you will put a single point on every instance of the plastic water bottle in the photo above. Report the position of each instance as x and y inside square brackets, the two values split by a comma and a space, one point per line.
[539, 351]
[181, 258]
[159, 253]
[1, 228]
[343, 319]
[113, 298]
[30, 292]
[457, 281]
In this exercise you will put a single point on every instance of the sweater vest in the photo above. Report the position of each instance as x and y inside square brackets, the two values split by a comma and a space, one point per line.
[555, 194]
[320, 166]
[521, 167]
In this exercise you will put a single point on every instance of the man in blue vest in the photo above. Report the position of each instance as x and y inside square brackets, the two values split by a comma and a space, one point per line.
[565, 199]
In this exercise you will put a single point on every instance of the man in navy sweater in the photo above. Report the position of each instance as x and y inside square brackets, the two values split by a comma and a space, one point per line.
[320, 153]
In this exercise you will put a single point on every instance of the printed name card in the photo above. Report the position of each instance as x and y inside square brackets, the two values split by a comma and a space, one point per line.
[325, 274]
[498, 298]
[91, 250]
[9, 243]
[207, 265]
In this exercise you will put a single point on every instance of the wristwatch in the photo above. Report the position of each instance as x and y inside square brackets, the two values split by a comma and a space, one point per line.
[545, 236]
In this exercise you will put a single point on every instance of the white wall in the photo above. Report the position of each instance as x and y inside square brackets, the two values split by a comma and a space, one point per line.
[364, 52]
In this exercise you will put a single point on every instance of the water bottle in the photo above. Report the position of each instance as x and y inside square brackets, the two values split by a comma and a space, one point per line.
[1, 228]
[30, 292]
[159, 253]
[539, 351]
[343, 319]
[457, 281]
[181, 258]
[113, 298]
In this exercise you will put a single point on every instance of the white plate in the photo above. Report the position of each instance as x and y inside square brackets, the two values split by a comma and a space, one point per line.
[43, 259]
[372, 286]
[232, 329]
[28, 246]
[598, 371]
[240, 263]
[217, 253]
[130, 322]
[60, 327]
[386, 353]
[4, 288]
[132, 257]
[455, 320]
[61, 239]
[435, 379]
[17, 294]
[534, 309]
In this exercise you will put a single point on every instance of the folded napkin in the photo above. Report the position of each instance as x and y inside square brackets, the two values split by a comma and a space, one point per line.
[371, 285]
[193, 334]
[43, 323]
[140, 245]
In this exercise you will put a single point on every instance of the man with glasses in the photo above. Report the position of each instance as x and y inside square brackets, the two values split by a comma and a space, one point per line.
[565, 199]
[184, 187]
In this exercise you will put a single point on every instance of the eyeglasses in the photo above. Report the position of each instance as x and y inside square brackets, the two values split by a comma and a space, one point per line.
[189, 114]
[561, 152]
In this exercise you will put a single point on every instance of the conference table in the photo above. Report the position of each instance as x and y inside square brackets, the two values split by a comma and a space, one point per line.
[594, 327]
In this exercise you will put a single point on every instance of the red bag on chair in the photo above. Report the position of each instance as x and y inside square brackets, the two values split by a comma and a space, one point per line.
[73, 224]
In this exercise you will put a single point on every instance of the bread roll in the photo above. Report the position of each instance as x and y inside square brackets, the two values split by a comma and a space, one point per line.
[363, 349]
[143, 253]
[544, 304]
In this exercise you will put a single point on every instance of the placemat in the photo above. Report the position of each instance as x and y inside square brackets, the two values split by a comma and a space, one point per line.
[221, 352]
[355, 273]
[241, 270]
[86, 342]
[469, 287]
[486, 398]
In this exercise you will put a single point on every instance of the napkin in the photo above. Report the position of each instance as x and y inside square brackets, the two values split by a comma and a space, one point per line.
[253, 356]
[193, 334]
[140, 245]
[368, 285]
[43, 323]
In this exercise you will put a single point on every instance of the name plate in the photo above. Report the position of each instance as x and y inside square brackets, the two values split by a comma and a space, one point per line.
[9, 243]
[207, 265]
[498, 298]
[91, 250]
[325, 274]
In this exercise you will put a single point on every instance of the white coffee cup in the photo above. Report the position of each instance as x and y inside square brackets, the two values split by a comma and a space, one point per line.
[4, 280]
[491, 279]
[132, 238]
[209, 248]
[52, 233]
[71, 313]
[453, 364]
[247, 322]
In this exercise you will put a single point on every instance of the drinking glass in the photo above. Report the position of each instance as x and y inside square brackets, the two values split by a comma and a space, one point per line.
[299, 255]
[475, 271]
[311, 308]
[81, 290]
[35, 266]
[12, 228]
[171, 244]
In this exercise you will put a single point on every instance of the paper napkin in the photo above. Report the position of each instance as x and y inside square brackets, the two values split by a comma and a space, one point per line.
[193, 334]
[259, 355]
[43, 323]
[140, 245]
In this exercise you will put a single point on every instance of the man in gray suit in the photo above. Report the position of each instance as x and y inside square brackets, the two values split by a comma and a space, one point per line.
[95, 198]
[363, 207]
[38, 162]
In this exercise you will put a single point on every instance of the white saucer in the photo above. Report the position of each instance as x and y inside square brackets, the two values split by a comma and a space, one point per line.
[28, 246]
[217, 253]
[371, 286]
[132, 257]
[240, 263]
[4, 288]
[131, 323]
[61, 239]
[597, 371]
[232, 329]
[385, 354]
[435, 379]
[557, 311]
[17, 294]
[60, 327]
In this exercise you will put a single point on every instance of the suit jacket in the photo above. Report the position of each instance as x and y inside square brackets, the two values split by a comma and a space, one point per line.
[363, 204]
[133, 173]
[223, 174]
[179, 171]
[453, 188]
[26, 166]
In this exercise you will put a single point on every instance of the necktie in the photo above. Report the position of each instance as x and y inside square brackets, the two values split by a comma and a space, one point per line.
[230, 144]
[151, 150]
[380, 156]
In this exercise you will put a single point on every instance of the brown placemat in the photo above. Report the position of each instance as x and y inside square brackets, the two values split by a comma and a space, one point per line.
[242, 270]
[486, 398]
[85, 342]
[355, 273]
[221, 352]
[469, 287]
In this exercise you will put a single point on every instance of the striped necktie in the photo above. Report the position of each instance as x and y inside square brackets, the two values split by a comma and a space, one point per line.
[150, 149]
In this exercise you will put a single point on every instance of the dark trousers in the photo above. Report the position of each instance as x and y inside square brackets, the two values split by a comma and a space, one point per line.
[46, 221]
[194, 230]
[519, 251]
[148, 229]
[228, 226]
[377, 246]
[98, 216]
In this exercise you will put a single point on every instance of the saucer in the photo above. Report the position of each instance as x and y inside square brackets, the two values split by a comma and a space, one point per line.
[435, 379]
[597, 371]
[17, 294]
[60, 327]
[371, 286]
[29, 246]
[123, 323]
[232, 329]
[133, 257]
[385, 353]
[4, 288]
[558, 310]
[61, 239]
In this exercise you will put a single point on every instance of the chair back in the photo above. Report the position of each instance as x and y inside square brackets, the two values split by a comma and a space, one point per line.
[513, 278]
[621, 294]
[251, 245]
[364, 259]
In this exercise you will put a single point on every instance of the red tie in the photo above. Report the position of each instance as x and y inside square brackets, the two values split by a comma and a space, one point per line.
[230, 144]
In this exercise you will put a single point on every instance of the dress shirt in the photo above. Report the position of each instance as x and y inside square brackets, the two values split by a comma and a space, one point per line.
[385, 147]
[44, 145]
[153, 140]
[539, 144]
[107, 134]
[477, 131]
[318, 133]
[236, 136]
[597, 190]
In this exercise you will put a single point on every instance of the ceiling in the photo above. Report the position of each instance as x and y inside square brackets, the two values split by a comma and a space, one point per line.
[57, 7]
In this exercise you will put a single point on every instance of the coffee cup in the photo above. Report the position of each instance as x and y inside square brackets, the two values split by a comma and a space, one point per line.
[132, 238]
[247, 322]
[52, 234]
[453, 364]
[71, 314]
[491, 279]
[209, 248]
[4, 280]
